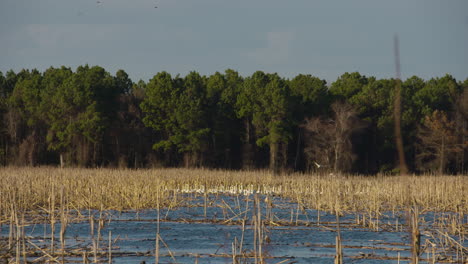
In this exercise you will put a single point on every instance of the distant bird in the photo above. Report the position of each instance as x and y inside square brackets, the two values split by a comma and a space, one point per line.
[155, 7]
[319, 165]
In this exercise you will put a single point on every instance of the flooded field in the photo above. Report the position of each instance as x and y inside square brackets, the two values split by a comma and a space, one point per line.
[222, 228]
[50, 215]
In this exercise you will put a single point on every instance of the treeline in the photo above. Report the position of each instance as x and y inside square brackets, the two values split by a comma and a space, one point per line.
[91, 118]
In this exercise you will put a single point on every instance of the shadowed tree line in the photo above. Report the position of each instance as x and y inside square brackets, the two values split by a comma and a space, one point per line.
[91, 118]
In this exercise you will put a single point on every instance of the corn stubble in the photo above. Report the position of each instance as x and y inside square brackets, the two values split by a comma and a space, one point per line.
[50, 194]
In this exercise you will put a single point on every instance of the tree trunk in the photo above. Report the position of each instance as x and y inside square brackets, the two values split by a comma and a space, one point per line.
[274, 158]
[62, 162]
[186, 160]
[135, 164]
[337, 157]
[284, 156]
[247, 157]
[461, 168]
[198, 159]
[298, 146]
[442, 157]
[94, 154]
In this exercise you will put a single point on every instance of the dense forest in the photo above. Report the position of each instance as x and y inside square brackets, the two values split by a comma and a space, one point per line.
[90, 118]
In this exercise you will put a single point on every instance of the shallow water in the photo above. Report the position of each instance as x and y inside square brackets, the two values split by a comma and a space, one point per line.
[191, 237]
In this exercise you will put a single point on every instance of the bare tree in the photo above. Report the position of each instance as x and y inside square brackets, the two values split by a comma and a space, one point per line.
[438, 142]
[347, 124]
[318, 142]
[328, 142]
[461, 121]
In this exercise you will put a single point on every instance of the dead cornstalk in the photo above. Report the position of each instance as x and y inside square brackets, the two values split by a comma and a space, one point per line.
[110, 247]
[415, 235]
[339, 249]
[63, 223]
[156, 251]
[52, 220]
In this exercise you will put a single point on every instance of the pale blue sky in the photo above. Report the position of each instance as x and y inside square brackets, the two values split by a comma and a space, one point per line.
[324, 38]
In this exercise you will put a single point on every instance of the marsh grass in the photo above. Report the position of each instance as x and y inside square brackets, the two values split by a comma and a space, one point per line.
[54, 195]
[35, 189]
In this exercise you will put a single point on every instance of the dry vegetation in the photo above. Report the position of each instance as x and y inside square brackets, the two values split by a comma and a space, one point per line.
[30, 189]
[51, 194]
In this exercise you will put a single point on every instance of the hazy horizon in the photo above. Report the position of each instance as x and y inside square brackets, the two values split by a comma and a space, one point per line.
[322, 38]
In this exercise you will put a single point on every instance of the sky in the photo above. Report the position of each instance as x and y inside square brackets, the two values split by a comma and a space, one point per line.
[324, 38]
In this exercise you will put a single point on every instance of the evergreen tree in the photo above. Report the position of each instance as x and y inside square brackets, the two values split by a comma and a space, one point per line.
[79, 115]
[247, 104]
[26, 126]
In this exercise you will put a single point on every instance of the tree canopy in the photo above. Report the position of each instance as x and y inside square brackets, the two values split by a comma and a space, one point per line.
[90, 117]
